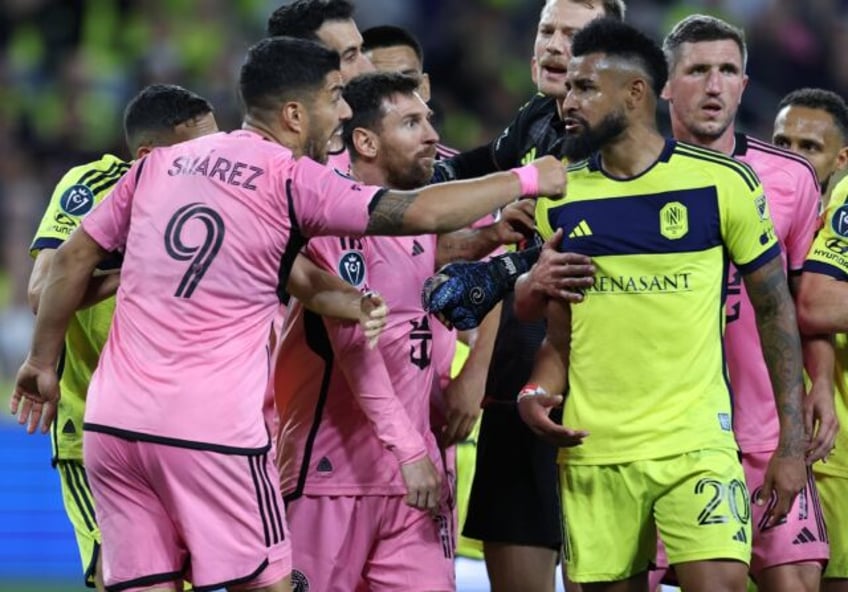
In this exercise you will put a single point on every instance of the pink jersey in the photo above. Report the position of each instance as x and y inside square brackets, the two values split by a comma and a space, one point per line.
[340, 161]
[209, 230]
[335, 442]
[793, 195]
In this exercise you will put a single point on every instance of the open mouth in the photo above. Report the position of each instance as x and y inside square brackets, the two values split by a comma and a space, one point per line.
[571, 125]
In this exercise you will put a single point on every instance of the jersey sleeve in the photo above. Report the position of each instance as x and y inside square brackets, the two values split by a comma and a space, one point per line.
[506, 149]
[328, 202]
[109, 223]
[70, 202]
[805, 221]
[746, 225]
[829, 252]
[364, 368]
[544, 228]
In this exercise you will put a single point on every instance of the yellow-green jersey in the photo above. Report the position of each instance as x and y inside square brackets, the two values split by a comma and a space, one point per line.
[75, 196]
[647, 374]
[829, 256]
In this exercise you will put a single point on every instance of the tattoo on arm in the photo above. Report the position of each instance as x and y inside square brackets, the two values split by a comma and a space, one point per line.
[769, 293]
[387, 216]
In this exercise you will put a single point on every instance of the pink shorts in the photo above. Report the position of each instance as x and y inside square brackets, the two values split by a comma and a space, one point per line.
[800, 538]
[377, 543]
[168, 513]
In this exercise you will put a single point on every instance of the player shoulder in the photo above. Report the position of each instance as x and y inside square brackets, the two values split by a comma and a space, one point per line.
[719, 165]
[781, 159]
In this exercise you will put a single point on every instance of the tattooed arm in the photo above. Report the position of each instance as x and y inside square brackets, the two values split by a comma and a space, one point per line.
[449, 206]
[768, 290]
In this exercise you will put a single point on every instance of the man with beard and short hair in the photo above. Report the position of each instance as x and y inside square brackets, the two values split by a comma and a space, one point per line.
[707, 58]
[813, 122]
[649, 443]
[366, 510]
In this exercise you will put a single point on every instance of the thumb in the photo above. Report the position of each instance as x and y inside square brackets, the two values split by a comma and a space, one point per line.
[554, 240]
[766, 491]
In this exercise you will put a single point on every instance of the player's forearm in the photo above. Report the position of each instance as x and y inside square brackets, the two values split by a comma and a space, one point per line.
[778, 330]
[476, 367]
[438, 209]
[819, 359]
[529, 303]
[322, 292]
[100, 288]
[467, 244]
[368, 378]
[550, 368]
[63, 292]
[822, 307]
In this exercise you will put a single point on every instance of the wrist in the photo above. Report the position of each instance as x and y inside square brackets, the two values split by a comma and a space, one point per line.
[528, 177]
[531, 389]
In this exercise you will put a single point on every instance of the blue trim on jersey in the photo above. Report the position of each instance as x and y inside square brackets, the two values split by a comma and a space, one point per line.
[596, 164]
[40, 244]
[825, 269]
[752, 266]
[632, 225]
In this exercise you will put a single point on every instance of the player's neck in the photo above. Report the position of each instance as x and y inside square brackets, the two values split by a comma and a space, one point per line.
[636, 150]
[724, 143]
[286, 139]
[368, 173]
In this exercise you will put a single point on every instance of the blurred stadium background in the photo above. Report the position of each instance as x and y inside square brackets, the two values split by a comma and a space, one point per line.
[67, 67]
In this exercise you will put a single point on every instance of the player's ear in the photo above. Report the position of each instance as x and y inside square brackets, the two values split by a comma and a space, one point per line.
[365, 142]
[293, 116]
[842, 159]
[424, 87]
[666, 92]
[637, 90]
[142, 151]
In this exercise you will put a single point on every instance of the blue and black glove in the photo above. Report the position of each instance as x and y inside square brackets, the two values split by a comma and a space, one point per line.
[461, 294]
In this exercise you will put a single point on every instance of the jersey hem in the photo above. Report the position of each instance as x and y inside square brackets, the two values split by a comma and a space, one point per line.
[825, 269]
[177, 442]
[752, 266]
[563, 458]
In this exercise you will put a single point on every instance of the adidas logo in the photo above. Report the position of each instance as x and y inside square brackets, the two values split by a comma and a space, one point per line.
[582, 229]
[417, 249]
[324, 465]
[69, 428]
[805, 536]
[741, 536]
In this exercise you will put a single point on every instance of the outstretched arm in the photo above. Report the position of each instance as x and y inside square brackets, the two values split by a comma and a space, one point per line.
[449, 206]
[768, 291]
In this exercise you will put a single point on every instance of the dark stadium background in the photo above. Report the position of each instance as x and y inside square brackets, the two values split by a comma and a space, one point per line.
[67, 67]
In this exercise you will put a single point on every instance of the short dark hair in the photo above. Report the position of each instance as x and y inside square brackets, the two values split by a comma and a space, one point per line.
[279, 69]
[157, 109]
[701, 27]
[819, 98]
[616, 38]
[391, 36]
[612, 8]
[302, 18]
[366, 95]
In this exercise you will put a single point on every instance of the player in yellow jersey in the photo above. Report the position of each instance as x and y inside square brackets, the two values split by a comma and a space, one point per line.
[649, 444]
[159, 115]
[814, 122]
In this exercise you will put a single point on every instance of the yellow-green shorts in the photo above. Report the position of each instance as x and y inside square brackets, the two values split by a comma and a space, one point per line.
[833, 492]
[697, 500]
[79, 506]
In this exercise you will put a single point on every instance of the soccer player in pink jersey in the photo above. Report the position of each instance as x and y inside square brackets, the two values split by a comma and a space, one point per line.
[175, 439]
[814, 122]
[379, 517]
[707, 77]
